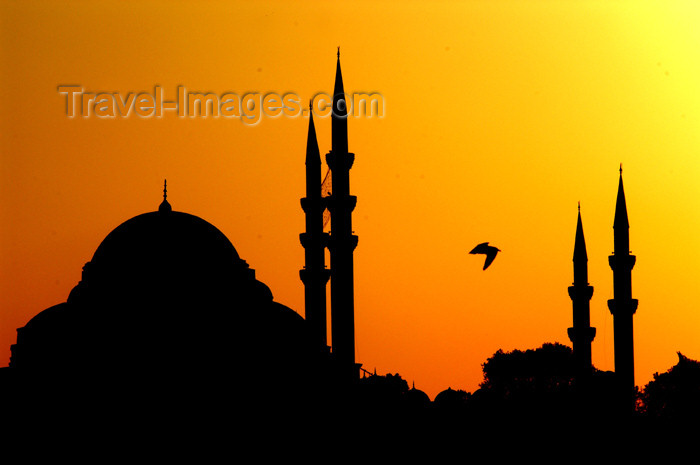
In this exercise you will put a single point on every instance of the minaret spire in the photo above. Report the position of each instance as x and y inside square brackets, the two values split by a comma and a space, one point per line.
[580, 254]
[621, 221]
[313, 154]
[314, 275]
[623, 306]
[339, 122]
[581, 334]
[342, 240]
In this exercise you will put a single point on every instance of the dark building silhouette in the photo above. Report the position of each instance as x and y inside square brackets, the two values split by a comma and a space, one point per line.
[581, 333]
[169, 322]
[167, 318]
[341, 241]
[623, 306]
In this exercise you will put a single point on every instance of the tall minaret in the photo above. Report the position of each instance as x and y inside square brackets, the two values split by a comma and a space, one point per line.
[581, 334]
[623, 306]
[314, 240]
[342, 240]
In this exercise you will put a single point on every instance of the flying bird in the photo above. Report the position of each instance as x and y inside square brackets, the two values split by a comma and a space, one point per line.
[488, 250]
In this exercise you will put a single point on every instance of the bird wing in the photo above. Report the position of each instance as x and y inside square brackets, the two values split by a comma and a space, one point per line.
[490, 256]
[481, 248]
[489, 259]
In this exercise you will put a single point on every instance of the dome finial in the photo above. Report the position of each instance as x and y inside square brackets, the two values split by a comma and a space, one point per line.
[620, 169]
[165, 206]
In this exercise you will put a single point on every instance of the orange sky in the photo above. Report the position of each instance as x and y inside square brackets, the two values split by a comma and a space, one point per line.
[499, 117]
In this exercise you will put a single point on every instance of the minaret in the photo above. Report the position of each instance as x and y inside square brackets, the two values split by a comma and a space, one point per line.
[314, 275]
[623, 306]
[581, 334]
[342, 240]
[164, 205]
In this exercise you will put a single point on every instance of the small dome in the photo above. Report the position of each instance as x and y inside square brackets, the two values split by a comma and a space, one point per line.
[450, 398]
[48, 317]
[417, 398]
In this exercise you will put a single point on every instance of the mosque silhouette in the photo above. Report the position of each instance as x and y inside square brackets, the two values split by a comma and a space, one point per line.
[169, 322]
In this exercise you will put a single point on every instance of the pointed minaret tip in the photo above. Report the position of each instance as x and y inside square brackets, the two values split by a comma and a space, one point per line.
[339, 125]
[165, 206]
[338, 88]
[580, 241]
[620, 206]
[313, 155]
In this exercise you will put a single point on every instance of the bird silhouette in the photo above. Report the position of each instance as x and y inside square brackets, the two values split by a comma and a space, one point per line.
[489, 250]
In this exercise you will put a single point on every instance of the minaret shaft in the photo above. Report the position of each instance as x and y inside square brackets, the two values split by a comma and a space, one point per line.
[314, 240]
[623, 306]
[342, 240]
[581, 334]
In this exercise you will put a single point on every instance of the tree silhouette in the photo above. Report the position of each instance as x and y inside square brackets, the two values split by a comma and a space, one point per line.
[535, 383]
[674, 394]
[547, 368]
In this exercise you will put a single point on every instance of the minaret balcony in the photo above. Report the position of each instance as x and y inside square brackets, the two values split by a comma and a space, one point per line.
[624, 306]
[308, 238]
[315, 276]
[311, 205]
[344, 203]
[585, 335]
[338, 243]
[580, 292]
[340, 161]
[622, 262]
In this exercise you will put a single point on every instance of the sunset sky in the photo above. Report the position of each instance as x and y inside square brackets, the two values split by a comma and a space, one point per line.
[499, 117]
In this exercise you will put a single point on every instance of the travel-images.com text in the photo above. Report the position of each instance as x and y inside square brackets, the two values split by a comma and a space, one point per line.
[249, 107]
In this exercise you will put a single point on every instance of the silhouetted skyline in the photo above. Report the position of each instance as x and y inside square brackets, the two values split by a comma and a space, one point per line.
[495, 125]
[166, 305]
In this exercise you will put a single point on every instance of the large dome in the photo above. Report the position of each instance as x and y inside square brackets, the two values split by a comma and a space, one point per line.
[164, 288]
[168, 258]
[165, 233]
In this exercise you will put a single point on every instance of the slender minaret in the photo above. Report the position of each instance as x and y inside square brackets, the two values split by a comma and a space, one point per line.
[623, 306]
[342, 241]
[581, 334]
[314, 240]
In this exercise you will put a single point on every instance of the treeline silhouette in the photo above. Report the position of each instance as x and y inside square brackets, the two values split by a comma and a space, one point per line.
[535, 388]
[525, 395]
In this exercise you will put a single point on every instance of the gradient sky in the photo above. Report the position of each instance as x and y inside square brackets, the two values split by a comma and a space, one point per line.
[499, 117]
